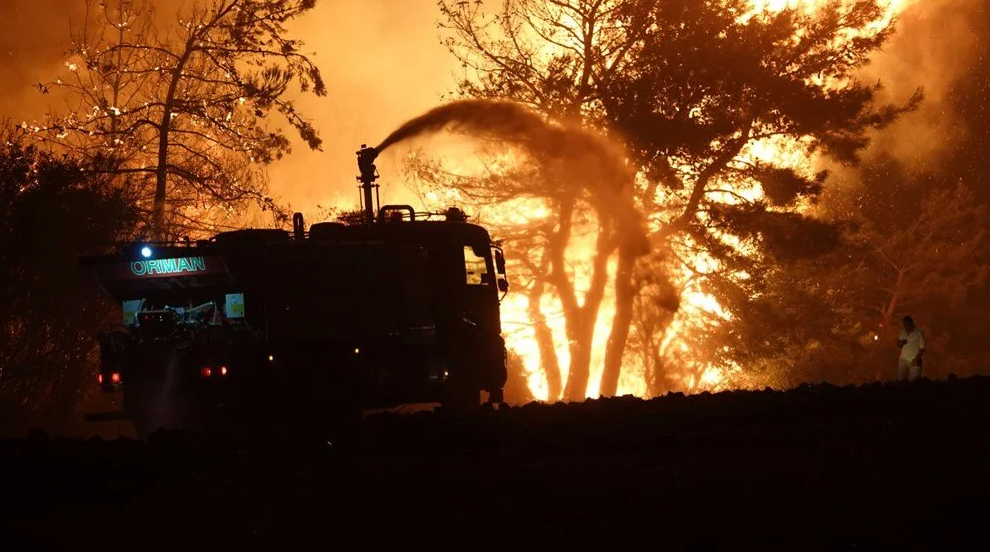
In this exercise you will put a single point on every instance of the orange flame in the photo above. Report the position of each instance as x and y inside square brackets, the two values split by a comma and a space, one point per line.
[698, 310]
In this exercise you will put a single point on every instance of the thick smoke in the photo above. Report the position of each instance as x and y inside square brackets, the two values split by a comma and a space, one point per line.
[936, 46]
[33, 36]
[580, 161]
[939, 46]
[381, 59]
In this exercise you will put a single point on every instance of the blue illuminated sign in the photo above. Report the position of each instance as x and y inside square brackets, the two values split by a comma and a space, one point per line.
[168, 266]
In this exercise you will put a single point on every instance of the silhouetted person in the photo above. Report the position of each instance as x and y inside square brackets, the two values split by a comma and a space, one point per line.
[912, 344]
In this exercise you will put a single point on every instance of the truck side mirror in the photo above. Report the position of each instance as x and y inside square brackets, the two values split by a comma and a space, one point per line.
[503, 285]
[499, 262]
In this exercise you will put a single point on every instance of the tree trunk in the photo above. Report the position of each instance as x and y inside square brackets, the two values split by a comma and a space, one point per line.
[544, 342]
[158, 218]
[616, 346]
[580, 347]
[581, 320]
[656, 385]
[164, 128]
[161, 171]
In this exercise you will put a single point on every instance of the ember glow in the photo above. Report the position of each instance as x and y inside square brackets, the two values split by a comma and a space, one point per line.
[892, 7]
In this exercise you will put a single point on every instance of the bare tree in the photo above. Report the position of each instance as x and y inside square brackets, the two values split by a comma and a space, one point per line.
[916, 251]
[182, 107]
[926, 259]
[941, 252]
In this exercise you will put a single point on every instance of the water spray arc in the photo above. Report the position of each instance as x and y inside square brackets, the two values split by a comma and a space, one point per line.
[573, 166]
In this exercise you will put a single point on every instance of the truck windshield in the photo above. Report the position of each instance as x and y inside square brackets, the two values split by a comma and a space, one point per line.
[475, 267]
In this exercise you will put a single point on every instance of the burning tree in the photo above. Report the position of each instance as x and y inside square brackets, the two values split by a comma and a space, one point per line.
[719, 104]
[182, 108]
[577, 173]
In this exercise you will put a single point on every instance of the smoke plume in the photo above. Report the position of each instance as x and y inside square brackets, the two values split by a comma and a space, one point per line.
[381, 60]
[936, 46]
[580, 161]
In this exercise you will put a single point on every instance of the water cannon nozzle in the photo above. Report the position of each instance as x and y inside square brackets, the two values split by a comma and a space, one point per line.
[369, 174]
[366, 163]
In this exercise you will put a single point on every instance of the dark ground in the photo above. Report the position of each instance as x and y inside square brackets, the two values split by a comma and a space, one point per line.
[877, 467]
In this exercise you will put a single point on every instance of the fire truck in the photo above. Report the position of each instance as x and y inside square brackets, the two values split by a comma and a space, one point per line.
[386, 308]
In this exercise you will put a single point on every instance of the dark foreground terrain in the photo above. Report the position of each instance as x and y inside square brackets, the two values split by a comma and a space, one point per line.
[877, 467]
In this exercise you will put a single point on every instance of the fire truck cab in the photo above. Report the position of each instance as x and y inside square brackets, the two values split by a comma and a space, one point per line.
[395, 308]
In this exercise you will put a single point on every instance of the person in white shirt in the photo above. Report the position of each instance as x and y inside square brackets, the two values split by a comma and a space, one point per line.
[912, 344]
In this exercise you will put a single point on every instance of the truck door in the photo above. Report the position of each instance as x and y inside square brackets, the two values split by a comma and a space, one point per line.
[482, 327]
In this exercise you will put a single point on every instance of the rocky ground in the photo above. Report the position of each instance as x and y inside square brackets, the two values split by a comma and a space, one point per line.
[819, 467]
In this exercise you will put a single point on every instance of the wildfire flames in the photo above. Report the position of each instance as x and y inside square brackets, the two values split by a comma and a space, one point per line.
[893, 7]
[694, 371]
[688, 365]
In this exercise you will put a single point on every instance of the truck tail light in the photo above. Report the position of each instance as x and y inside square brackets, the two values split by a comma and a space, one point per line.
[115, 377]
[99, 379]
[206, 372]
[223, 370]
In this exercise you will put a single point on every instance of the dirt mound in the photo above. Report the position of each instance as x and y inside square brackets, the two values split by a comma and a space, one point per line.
[819, 467]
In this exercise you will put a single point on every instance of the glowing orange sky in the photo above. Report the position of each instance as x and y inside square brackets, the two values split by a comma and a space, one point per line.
[383, 62]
